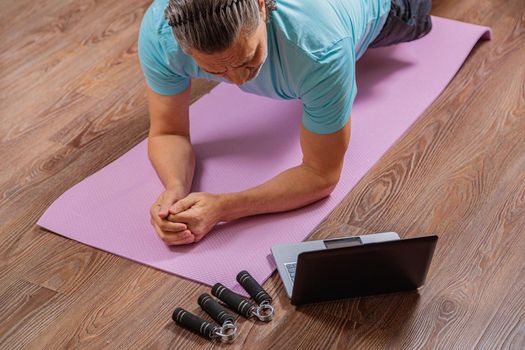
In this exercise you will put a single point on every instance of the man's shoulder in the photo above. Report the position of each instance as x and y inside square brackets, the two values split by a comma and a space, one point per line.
[311, 26]
[153, 23]
[156, 40]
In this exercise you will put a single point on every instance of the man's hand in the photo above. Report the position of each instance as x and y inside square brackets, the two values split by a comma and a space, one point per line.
[200, 211]
[170, 232]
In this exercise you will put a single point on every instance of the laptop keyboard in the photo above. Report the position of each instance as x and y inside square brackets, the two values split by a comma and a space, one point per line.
[290, 267]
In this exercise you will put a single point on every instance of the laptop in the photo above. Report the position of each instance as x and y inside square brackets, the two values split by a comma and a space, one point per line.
[355, 266]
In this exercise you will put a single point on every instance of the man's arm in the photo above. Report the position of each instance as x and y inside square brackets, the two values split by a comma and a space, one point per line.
[169, 145]
[315, 178]
[171, 153]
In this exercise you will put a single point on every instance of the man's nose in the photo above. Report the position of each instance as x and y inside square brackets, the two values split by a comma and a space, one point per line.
[239, 75]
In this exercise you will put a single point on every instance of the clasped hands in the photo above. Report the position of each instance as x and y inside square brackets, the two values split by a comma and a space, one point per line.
[185, 220]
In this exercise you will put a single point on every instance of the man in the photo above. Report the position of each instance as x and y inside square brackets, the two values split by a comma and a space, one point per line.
[295, 49]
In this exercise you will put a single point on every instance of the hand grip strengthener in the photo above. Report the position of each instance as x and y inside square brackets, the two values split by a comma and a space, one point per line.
[220, 315]
[226, 333]
[263, 312]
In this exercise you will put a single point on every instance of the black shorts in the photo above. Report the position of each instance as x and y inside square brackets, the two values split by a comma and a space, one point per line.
[407, 20]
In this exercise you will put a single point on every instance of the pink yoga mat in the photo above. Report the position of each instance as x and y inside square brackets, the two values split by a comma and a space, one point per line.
[242, 140]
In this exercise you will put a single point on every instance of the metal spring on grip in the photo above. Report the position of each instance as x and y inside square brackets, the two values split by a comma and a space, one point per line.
[227, 333]
[264, 312]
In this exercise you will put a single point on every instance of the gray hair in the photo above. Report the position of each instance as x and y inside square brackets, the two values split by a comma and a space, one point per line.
[211, 26]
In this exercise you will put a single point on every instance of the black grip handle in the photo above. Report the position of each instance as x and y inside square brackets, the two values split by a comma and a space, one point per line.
[195, 323]
[233, 300]
[251, 285]
[214, 309]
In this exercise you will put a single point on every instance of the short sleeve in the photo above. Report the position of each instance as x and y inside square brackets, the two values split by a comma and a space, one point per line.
[159, 77]
[328, 90]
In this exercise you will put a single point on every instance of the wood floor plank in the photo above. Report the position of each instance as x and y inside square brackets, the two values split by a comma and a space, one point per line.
[507, 327]
[20, 302]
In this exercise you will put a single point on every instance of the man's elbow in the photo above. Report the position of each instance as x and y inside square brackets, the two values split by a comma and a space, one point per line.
[329, 183]
[331, 186]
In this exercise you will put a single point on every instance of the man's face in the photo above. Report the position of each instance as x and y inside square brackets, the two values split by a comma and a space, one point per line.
[239, 63]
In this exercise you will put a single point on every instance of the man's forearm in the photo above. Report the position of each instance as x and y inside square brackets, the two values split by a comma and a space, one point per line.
[293, 188]
[173, 158]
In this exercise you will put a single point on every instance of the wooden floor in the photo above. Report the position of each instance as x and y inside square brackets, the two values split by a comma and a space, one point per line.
[72, 100]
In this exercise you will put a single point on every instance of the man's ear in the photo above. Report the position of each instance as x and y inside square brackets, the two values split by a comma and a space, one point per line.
[262, 10]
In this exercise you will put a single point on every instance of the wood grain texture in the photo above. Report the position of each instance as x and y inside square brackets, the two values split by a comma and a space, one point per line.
[72, 100]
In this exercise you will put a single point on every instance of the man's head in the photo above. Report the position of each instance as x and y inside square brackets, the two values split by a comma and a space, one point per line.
[225, 37]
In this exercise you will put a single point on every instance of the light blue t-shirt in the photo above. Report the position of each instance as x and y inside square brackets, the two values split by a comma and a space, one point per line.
[312, 49]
